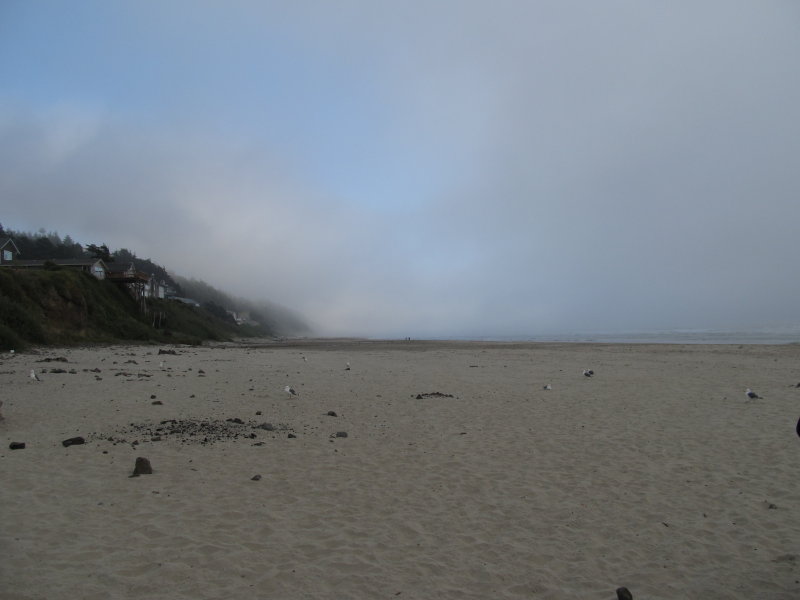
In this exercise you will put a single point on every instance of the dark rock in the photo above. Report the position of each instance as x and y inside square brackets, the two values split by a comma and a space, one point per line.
[17, 445]
[142, 467]
[255, 478]
[157, 402]
[56, 371]
[624, 593]
[434, 395]
[74, 441]
[341, 434]
[155, 438]
[258, 413]
[152, 396]
[331, 413]
[291, 435]
[200, 372]
[162, 351]
[235, 420]
[266, 427]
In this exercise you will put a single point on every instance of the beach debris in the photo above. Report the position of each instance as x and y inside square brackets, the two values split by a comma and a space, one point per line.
[1, 412]
[347, 368]
[189, 431]
[797, 428]
[74, 441]
[291, 436]
[34, 376]
[331, 413]
[588, 372]
[255, 478]
[290, 390]
[547, 387]
[434, 395]
[54, 359]
[340, 434]
[142, 467]
[162, 351]
[156, 403]
[624, 593]
[751, 394]
[17, 446]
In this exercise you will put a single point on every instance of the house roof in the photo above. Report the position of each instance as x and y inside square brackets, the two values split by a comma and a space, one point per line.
[4, 241]
[64, 262]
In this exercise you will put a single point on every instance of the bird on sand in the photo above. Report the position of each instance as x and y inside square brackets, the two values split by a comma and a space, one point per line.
[34, 376]
[347, 368]
[547, 387]
[290, 390]
[588, 372]
[751, 394]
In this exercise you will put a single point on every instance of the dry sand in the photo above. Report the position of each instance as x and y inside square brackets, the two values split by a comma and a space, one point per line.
[656, 474]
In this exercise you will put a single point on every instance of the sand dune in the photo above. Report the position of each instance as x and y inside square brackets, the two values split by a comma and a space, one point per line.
[657, 473]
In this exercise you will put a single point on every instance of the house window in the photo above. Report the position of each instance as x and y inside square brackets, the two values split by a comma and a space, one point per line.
[7, 255]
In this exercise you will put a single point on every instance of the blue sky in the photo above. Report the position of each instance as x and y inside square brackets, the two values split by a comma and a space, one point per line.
[422, 168]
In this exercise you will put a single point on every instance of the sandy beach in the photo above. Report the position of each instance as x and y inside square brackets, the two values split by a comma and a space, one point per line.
[460, 476]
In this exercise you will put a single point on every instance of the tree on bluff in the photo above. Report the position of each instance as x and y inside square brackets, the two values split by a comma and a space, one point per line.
[101, 252]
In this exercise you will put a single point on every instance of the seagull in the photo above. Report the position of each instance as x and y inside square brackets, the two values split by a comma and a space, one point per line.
[347, 368]
[588, 372]
[290, 390]
[751, 394]
[305, 359]
[548, 387]
[34, 376]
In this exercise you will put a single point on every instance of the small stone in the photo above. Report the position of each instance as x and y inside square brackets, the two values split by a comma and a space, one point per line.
[157, 403]
[17, 445]
[331, 413]
[291, 435]
[266, 427]
[152, 396]
[255, 478]
[236, 420]
[258, 412]
[73, 441]
[624, 593]
[341, 434]
[155, 438]
[142, 467]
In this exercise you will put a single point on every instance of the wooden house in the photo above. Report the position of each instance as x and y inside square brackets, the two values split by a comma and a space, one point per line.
[8, 250]
[94, 266]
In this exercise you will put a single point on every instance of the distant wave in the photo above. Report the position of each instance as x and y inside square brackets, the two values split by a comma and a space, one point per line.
[676, 336]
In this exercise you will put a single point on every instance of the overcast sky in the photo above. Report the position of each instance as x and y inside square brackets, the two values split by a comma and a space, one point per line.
[423, 168]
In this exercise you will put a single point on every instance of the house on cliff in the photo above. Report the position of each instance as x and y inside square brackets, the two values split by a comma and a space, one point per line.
[8, 250]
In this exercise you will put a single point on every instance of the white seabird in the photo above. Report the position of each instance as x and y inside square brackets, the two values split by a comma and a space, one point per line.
[347, 368]
[751, 394]
[548, 387]
[34, 376]
[290, 390]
